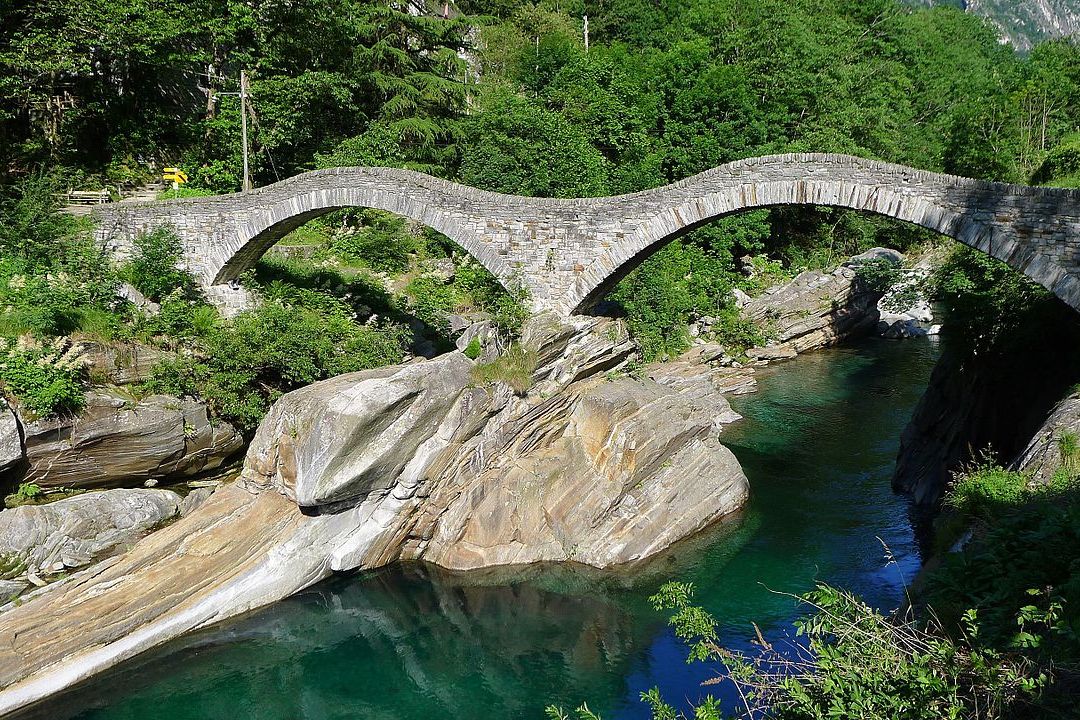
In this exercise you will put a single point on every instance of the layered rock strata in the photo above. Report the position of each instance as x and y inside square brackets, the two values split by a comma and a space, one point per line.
[117, 441]
[415, 461]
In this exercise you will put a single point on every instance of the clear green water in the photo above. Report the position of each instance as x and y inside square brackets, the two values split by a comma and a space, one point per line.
[818, 445]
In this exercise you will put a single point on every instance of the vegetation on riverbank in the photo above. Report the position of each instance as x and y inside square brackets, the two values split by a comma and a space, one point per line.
[996, 633]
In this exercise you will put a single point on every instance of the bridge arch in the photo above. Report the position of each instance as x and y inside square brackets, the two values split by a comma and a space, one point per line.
[972, 217]
[270, 223]
[567, 252]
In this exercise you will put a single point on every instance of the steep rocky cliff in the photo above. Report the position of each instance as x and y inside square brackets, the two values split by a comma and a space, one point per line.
[985, 404]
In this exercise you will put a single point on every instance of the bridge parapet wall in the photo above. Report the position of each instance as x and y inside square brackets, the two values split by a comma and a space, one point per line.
[566, 252]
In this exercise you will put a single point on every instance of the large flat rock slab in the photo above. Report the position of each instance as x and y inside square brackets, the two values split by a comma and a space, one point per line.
[199, 570]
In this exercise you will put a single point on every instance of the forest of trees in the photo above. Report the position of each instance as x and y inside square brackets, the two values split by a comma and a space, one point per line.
[108, 89]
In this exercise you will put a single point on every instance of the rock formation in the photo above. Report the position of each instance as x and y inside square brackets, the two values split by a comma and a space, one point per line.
[117, 441]
[1055, 442]
[412, 461]
[597, 470]
[71, 533]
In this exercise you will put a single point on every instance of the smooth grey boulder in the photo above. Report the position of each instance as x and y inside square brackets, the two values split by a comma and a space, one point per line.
[573, 349]
[194, 499]
[11, 588]
[345, 437]
[72, 532]
[589, 466]
[120, 364]
[11, 444]
[117, 441]
[873, 254]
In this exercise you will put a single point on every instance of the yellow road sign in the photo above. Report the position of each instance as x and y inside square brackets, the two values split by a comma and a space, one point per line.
[176, 175]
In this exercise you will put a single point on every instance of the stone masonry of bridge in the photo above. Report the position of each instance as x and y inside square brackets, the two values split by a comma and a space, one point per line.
[567, 252]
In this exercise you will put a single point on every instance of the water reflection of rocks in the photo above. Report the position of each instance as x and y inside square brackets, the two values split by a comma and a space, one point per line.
[459, 642]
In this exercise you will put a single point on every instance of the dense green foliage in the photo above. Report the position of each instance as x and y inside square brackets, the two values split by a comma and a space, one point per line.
[247, 363]
[850, 661]
[153, 269]
[990, 306]
[1019, 571]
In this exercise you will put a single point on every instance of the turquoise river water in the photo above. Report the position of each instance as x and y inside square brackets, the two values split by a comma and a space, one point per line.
[818, 444]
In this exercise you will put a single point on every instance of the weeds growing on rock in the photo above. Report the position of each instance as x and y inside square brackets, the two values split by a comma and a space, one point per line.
[514, 367]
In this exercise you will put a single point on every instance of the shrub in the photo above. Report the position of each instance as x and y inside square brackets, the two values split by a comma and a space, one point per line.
[735, 332]
[301, 282]
[432, 300]
[766, 273]
[854, 663]
[507, 308]
[1019, 569]
[513, 367]
[245, 364]
[473, 349]
[179, 318]
[878, 275]
[74, 292]
[989, 306]
[154, 266]
[382, 242]
[28, 491]
[32, 229]
[44, 381]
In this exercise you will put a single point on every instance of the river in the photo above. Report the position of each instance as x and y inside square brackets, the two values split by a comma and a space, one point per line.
[818, 444]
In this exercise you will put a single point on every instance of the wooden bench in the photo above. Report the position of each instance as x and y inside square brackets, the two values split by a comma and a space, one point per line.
[88, 197]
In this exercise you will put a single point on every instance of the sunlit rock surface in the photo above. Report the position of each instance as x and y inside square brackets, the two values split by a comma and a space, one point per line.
[11, 450]
[591, 466]
[117, 441]
[70, 533]
[588, 467]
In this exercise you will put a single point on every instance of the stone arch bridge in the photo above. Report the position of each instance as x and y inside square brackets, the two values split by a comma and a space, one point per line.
[568, 252]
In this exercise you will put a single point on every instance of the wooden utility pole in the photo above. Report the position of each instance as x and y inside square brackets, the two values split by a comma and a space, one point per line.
[243, 128]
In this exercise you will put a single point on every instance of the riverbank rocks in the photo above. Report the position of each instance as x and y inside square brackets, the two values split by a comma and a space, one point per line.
[815, 309]
[72, 532]
[591, 467]
[989, 404]
[904, 311]
[118, 441]
[1054, 444]
[608, 472]
[11, 446]
[120, 363]
[347, 436]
